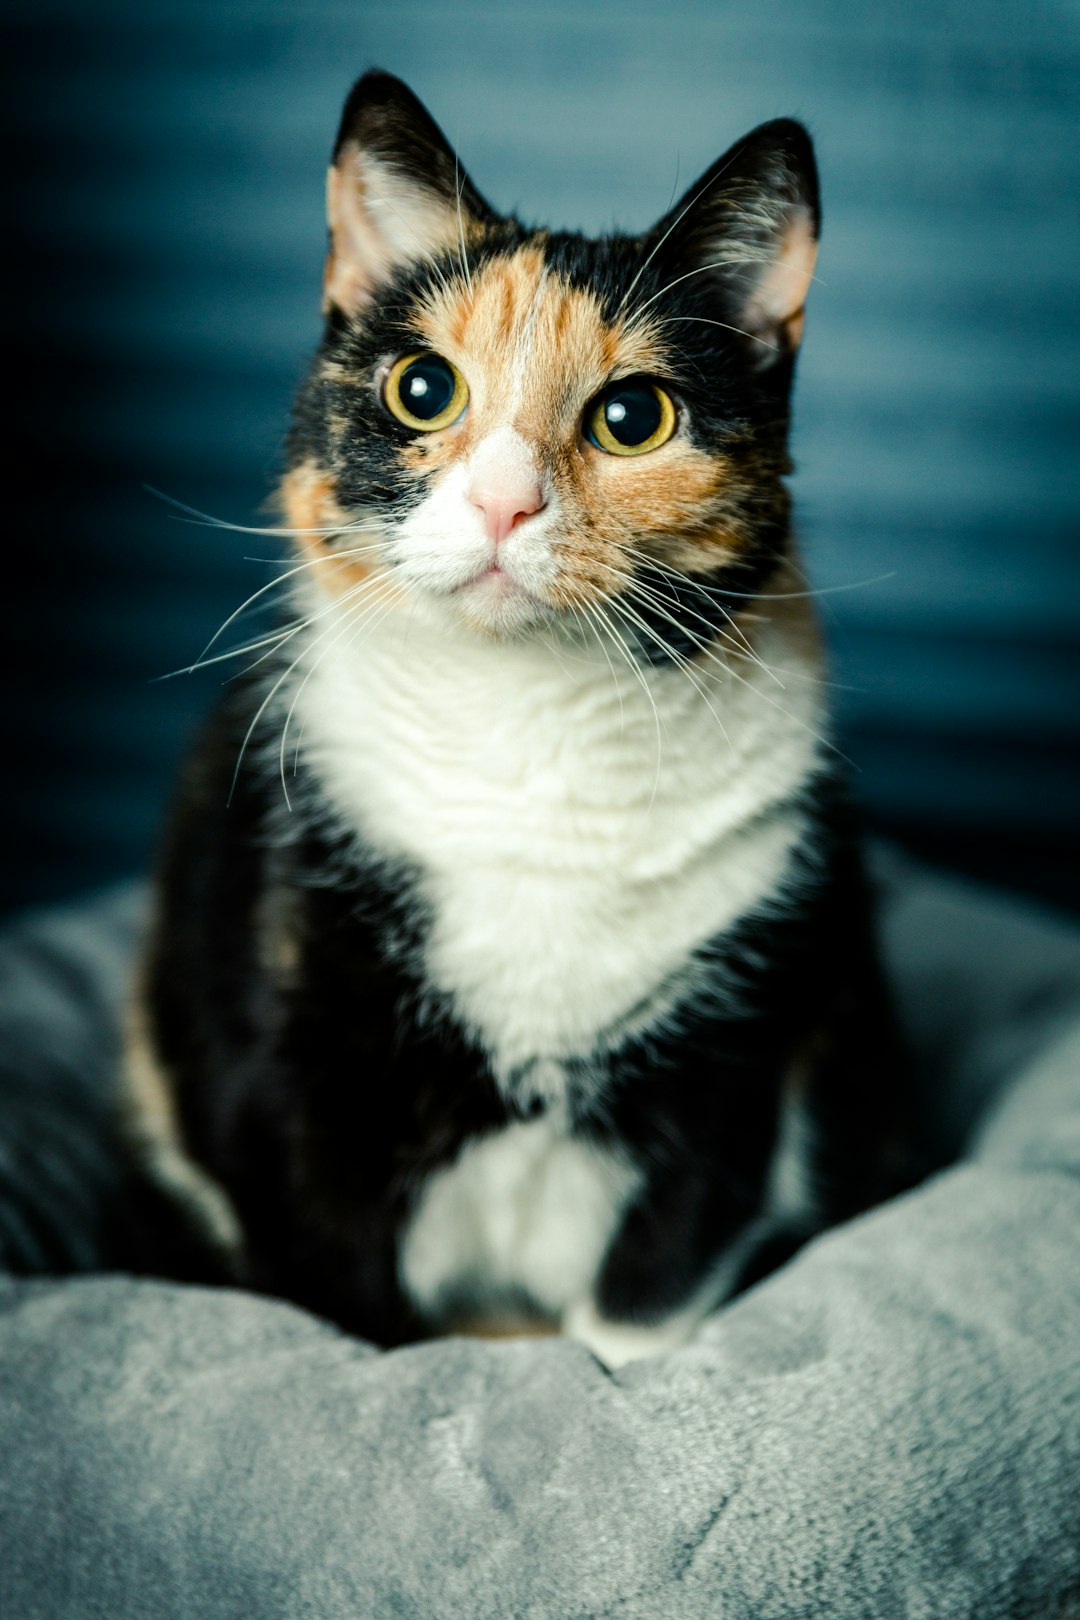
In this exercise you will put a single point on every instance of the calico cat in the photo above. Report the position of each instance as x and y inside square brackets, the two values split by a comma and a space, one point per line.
[513, 963]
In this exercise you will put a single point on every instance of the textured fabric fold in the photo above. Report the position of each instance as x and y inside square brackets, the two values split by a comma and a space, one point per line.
[889, 1427]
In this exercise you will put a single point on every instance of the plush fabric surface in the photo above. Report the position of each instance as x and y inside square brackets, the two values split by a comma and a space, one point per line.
[890, 1427]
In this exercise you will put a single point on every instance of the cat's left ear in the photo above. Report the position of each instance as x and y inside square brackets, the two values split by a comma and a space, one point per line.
[748, 232]
[395, 192]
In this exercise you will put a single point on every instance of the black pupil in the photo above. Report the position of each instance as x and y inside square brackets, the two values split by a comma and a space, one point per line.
[632, 414]
[426, 387]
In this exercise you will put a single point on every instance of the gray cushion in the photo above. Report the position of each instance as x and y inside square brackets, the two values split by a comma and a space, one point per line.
[888, 1427]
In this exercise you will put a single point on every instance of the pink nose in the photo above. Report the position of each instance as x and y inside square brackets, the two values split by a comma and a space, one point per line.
[505, 506]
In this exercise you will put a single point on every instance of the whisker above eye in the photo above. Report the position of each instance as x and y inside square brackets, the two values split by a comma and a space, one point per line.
[459, 181]
[725, 325]
[676, 222]
[698, 271]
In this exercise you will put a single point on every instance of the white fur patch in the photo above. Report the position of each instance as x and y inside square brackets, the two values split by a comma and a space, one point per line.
[581, 829]
[502, 458]
[617, 1343]
[528, 1207]
[443, 548]
[580, 835]
[790, 1193]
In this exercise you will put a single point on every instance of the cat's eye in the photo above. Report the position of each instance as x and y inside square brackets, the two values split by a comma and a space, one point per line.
[631, 418]
[425, 392]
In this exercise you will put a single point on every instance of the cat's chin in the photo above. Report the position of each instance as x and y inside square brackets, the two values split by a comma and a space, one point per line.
[496, 605]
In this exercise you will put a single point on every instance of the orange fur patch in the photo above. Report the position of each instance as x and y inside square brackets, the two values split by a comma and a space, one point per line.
[535, 351]
[511, 1327]
[308, 497]
[786, 601]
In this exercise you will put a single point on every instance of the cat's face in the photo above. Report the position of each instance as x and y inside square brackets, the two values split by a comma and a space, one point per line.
[526, 427]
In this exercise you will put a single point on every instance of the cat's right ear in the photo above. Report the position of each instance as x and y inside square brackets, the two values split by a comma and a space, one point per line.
[395, 192]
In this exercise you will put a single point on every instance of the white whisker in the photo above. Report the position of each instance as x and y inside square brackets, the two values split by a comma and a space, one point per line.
[622, 607]
[462, 255]
[594, 625]
[276, 639]
[207, 520]
[700, 270]
[726, 325]
[271, 585]
[675, 223]
[597, 609]
[656, 600]
[735, 639]
[354, 620]
[321, 562]
[764, 596]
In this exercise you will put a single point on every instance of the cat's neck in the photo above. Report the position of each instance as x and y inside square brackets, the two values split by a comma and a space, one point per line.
[579, 829]
[406, 717]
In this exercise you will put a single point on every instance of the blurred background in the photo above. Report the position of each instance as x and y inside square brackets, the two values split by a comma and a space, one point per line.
[164, 264]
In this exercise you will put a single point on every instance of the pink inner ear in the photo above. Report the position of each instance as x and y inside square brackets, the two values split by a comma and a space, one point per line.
[344, 281]
[378, 219]
[775, 308]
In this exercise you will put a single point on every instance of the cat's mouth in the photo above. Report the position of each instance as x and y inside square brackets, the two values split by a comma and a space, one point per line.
[495, 600]
[497, 579]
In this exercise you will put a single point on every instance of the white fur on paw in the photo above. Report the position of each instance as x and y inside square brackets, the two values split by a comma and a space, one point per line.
[616, 1343]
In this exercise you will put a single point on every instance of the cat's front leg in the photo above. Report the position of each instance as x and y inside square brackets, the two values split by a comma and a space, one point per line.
[617, 1342]
[761, 1247]
[682, 1248]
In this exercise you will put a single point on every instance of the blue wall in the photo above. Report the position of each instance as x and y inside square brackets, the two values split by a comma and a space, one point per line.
[169, 167]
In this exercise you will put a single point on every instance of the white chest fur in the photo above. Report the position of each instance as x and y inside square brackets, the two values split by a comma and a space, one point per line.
[579, 833]
[529, 1209]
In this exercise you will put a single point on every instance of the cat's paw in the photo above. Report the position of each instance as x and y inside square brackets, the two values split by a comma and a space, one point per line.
[616, 1343]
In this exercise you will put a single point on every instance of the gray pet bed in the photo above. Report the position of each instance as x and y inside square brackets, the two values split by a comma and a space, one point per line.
[888, 1427]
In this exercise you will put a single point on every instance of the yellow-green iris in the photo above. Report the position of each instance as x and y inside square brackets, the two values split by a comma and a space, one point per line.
[425, 392]
[631, 418]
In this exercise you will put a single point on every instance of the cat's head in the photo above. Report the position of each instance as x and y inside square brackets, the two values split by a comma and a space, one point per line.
[526, 426]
